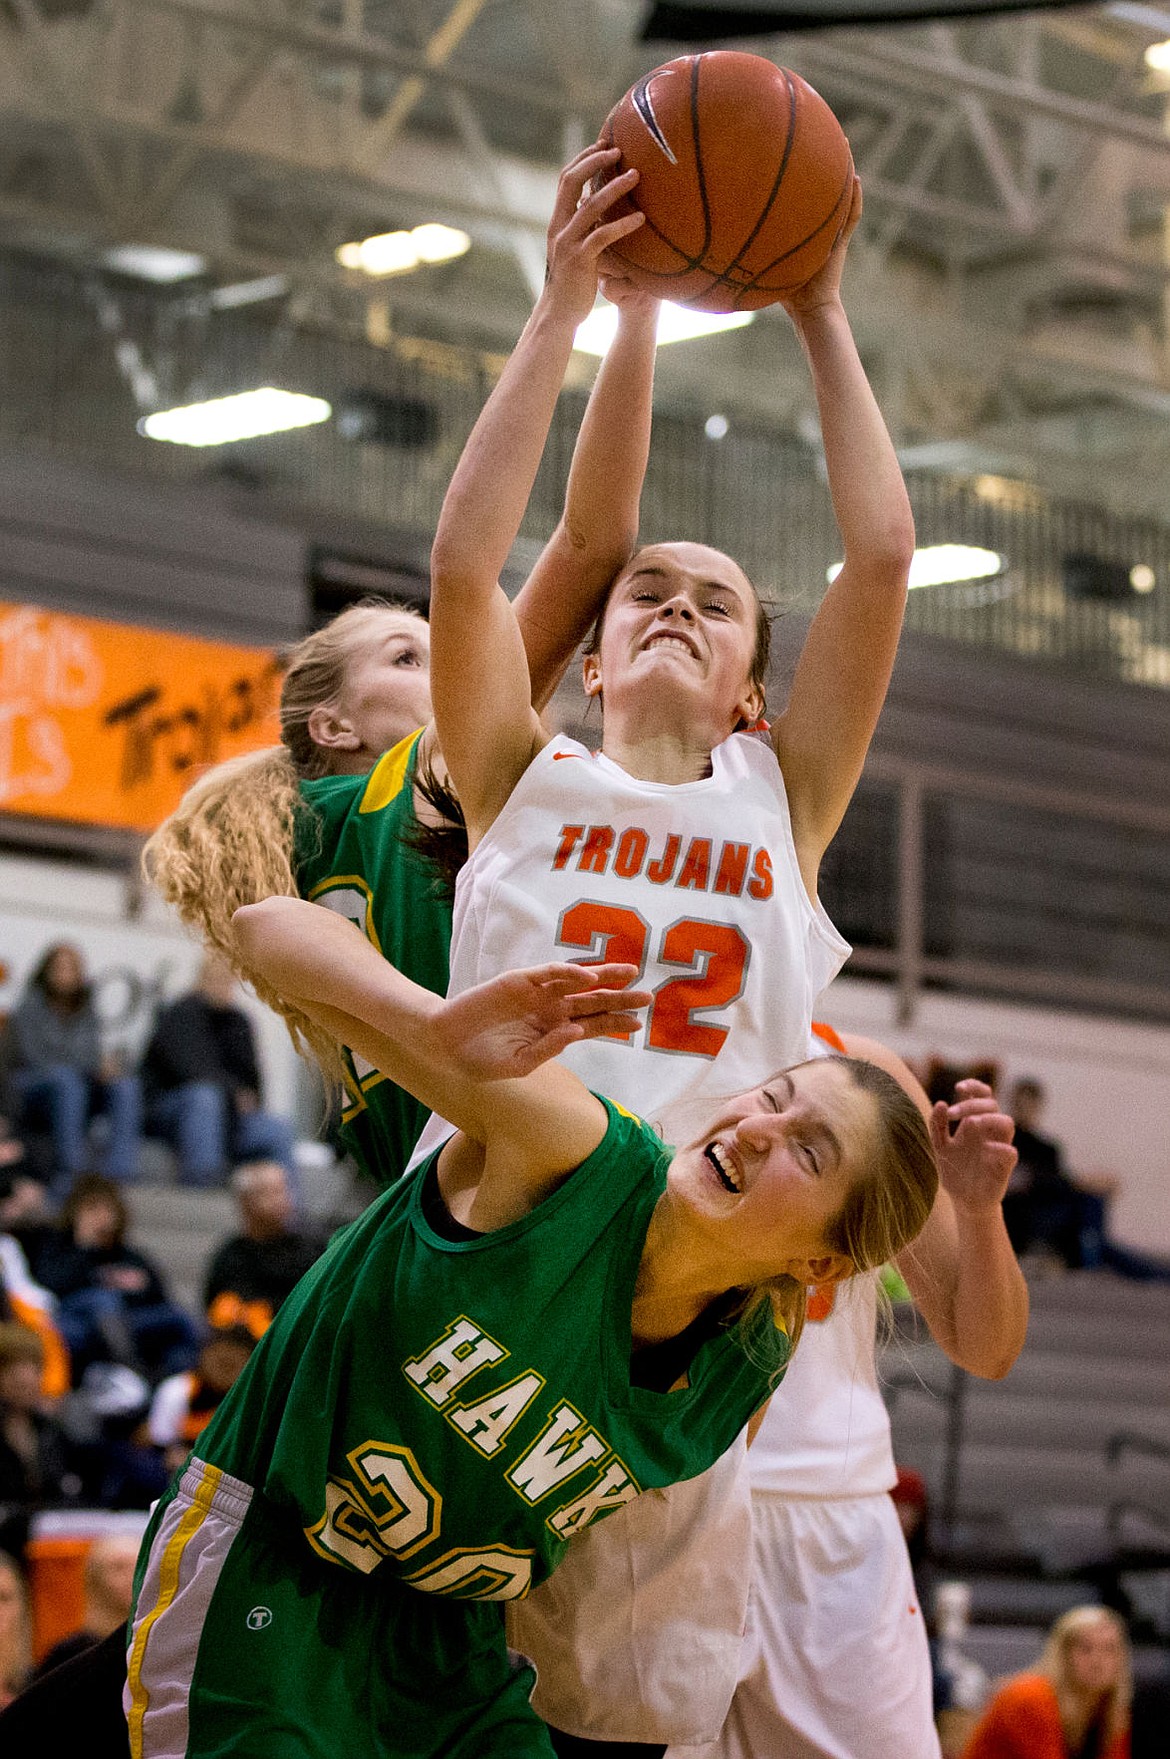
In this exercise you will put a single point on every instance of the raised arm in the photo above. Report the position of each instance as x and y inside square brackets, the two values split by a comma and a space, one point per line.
[962, 1270]
[481, 1058]
[598, 531]
[480, 685]
[844, 669]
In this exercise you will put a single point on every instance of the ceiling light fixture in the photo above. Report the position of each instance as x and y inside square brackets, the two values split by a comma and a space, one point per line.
[1158, 57]
[246, 416]
[946, 564]
[396, 253]
[1142, 577]
[675, 324]
[154, 262]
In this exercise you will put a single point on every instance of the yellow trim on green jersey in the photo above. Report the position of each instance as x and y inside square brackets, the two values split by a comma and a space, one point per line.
[389, 774]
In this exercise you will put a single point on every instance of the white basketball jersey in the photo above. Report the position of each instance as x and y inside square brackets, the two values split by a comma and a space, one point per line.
[827, 1432]
[695, 883]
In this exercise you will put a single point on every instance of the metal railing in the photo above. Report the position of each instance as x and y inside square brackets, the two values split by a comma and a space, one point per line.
[73, 347]
[965, 881]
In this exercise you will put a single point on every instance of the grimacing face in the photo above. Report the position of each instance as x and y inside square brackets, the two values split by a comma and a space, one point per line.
[680, 618]
[770, 1177]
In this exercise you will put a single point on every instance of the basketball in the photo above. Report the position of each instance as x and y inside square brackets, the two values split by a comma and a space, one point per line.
[745, 180]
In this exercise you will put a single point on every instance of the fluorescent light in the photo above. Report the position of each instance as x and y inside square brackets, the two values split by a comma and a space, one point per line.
[675, 324]
[946, 564]
[395, 253]
[248, 292]
[153, 262]
[439, 244]
[245, 416]
[1158, 57]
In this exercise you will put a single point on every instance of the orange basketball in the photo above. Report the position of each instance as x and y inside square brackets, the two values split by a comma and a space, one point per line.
[746, 180]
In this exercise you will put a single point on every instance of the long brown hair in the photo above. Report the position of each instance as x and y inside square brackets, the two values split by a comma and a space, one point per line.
[233, 839]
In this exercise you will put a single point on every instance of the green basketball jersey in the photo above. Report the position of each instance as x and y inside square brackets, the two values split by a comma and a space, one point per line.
[355, 856]
[455, 1411]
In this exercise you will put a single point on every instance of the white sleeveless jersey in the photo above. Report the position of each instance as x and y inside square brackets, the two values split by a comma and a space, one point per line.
[695, 883]
[827, 1432]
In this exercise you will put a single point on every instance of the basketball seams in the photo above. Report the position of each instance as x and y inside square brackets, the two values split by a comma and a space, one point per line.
[689, 263]
[696, 281]
[759, 282]
[698, 146]
[724, 276]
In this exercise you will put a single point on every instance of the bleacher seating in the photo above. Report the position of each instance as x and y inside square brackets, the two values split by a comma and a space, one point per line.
[1045, 1513]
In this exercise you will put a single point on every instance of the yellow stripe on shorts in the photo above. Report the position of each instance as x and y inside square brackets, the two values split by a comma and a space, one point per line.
[168, 1587]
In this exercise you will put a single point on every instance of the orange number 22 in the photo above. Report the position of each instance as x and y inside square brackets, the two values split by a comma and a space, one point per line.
[715, 955]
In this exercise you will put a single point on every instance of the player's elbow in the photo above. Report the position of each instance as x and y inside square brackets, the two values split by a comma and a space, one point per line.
[884, 545]
[254, 927]
[990, 1360]
[605, 545]
[456, 563]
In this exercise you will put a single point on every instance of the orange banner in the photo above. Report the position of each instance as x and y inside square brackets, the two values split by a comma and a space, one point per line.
[105, 723]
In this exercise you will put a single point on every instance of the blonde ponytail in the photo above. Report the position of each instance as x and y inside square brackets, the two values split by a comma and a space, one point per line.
[232, 841]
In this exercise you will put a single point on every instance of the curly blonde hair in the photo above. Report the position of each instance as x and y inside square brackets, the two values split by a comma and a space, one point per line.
[233, 838]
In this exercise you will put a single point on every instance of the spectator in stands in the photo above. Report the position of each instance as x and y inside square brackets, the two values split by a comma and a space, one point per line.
[203, 1083]
[1046, 1210]
[109, 1594]
[184, 1404]
[63, 1078]
[15, 1630]
[1042, 1209]
[112, 1303]
[34, 1463]
[253, 1271]
[1076, 1705]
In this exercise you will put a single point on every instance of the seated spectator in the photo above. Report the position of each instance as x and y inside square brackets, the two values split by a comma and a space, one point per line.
[1075, 1705]
[61, 1076]
[203, 1083]
[15, 1630]
[253, 1271]
[1046, 1210]
[34, 1465]
[109, 1594]
[112, 1304]
[184, 1404]
[21, 1298]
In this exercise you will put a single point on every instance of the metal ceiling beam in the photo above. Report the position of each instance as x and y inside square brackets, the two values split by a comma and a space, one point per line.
[436, 52]
[363, 50]
[917, 70]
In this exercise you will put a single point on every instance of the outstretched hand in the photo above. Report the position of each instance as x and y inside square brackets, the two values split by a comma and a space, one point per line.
[973, 1142]
[509, 1026]
[581, 228]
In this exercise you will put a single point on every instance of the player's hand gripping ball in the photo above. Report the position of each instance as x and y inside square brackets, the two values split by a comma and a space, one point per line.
[745, 180]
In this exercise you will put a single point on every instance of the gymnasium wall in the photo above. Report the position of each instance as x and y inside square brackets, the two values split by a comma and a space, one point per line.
[1107, 1082]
